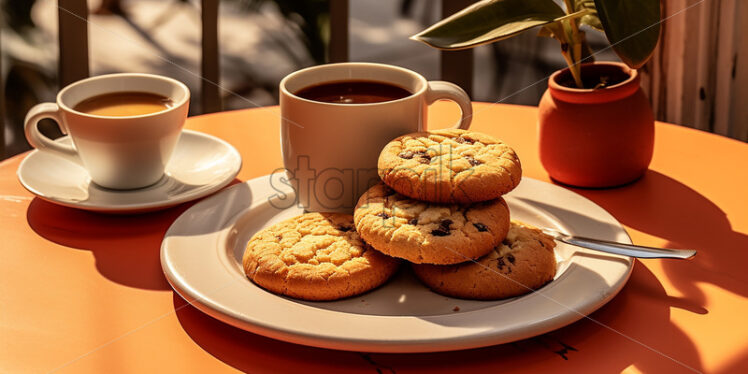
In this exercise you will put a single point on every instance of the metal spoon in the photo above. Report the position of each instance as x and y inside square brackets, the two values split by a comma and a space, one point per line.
[620, 248]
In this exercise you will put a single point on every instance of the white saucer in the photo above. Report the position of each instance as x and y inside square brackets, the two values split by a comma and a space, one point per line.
[201, 164]
[201, 257]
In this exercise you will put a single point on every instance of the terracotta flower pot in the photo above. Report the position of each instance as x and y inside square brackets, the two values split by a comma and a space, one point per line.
[596, 137]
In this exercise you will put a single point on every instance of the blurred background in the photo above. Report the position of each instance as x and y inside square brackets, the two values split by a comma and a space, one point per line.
[260, 41]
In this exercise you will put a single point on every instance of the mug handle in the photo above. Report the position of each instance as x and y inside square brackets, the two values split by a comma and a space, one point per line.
[450, 91]
[43, 143]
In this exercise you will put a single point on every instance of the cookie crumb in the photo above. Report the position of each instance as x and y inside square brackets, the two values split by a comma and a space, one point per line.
[456, 309]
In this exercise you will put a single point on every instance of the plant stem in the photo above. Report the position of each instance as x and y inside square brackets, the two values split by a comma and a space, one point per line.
[573, 67]
[573, 53]
[576, 40]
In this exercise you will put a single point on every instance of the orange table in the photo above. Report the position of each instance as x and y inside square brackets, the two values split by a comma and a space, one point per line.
[84, 293]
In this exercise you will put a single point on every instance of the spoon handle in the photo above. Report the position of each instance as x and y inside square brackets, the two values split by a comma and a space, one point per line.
[620, 248]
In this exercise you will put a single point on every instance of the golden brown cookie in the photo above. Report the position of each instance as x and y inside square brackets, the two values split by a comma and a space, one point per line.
[315, 256]
[523, 262]
[431, 233]
[449, 166]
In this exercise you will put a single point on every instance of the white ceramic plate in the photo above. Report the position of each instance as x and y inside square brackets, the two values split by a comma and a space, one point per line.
[201, 257]
[201, 164]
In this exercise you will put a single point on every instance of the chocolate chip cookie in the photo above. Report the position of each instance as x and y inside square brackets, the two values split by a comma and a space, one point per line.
[315, 256]
[430, 233]
[522, 262]
[449, 166]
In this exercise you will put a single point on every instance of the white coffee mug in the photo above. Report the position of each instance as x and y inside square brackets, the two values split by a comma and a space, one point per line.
[330, 150]
[118, 152]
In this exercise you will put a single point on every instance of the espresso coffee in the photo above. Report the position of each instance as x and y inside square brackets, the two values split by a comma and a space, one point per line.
[121, 104]
[353, 92]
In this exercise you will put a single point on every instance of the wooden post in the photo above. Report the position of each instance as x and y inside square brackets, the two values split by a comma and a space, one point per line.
[210, 67]
[731, 112]
[338, 49]
[2, 102]
[73, 37]
[695, 77]
[457, 66]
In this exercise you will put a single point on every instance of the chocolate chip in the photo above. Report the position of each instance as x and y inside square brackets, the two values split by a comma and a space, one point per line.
[481, 227]
[413, 221]
[510, 257]
[472, 161]
[440, 232]
[462, 140]
[383, 215]
[443, 229]
[501, 264]
[506, 243]
[421, 154]
[344, 228]
[406, 155]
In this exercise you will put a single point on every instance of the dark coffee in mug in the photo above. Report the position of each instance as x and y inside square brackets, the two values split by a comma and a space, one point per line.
[353, 92]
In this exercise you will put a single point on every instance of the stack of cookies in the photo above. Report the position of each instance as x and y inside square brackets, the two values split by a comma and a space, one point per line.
[440, 207]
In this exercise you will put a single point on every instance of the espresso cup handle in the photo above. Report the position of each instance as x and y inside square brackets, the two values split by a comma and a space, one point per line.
[450, 91]
[41, 142]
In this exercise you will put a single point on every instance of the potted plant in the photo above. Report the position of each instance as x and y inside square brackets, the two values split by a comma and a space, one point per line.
[596, 128]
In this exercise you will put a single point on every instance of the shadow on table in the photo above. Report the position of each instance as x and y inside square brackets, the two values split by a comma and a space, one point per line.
[638, 316]
[663, 207]
[255, 353]
[126, 247]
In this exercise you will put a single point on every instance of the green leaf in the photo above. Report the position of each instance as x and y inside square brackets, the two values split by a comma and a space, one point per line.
[632, 28]
[553, 30]
[489, 21]
[546, 32]
[591, 19]
[583, 4]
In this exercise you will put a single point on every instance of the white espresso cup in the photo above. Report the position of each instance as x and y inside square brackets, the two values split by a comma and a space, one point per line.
[122, 152]
[330, 150]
